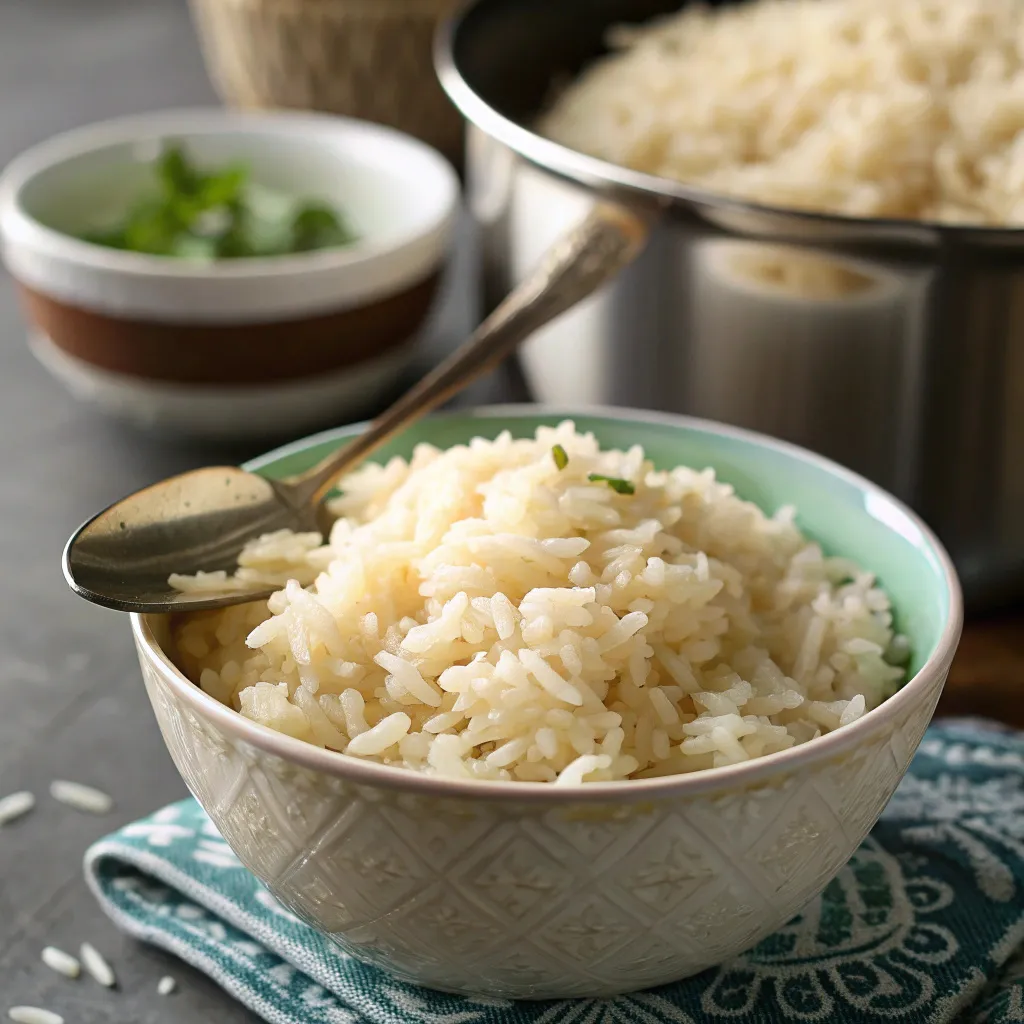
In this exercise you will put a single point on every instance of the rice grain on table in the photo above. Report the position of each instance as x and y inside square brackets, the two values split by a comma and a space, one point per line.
[61, 962]
[82, 798]
[166, 985]
[97, 967]
[33, 1015]
[486, 612]
[15, 805]
[869, 108]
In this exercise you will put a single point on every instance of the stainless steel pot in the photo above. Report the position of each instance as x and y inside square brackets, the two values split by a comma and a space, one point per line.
[894, 347]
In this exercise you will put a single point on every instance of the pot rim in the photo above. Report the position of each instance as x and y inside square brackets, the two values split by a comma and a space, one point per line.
[649, 190]
[748, 774]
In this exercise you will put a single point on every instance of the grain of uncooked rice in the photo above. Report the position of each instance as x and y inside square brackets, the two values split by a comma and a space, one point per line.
[83, 798]
[166, 986]
[61, 962]
[33, 1015]
[870, 108]
[94, 963]
[479, 613]
[15, 805]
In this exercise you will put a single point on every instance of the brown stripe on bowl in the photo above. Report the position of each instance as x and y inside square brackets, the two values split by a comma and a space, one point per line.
[233, 353]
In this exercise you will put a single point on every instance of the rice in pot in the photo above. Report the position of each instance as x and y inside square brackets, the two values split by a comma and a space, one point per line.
[541, 610]
[870, 108]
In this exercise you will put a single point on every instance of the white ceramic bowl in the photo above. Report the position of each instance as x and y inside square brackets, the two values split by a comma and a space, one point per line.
[527, 890]
[237, 347]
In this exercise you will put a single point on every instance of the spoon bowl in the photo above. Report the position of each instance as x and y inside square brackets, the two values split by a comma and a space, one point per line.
[196, 522]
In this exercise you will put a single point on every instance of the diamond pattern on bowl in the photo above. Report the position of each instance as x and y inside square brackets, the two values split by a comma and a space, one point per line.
[297, 815]
[520, 900]
[717, 917]
[454, 926]
[870, 770]
[373, 946]
[372, 858]
[584, 933]
[443, 835]
[509, 875]
[664, 869]
[595, 834]
[251, 830]
[804, 833]
[316, 899]
[521, 974]
[653, 960]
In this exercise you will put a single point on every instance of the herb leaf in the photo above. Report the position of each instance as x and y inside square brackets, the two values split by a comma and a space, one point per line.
[317, 226]
[196, 214]
[175, 174]
[618, 485]
[558, 453]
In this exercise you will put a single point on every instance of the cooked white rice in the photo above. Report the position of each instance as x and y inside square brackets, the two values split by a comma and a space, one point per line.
[480, 613]
[33, 1015]
[98, 968]
[82, 798]
[15, 805]
[895, 108]
[61, 962]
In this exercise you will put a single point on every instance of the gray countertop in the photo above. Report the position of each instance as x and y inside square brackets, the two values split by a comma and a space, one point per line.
[72, 703]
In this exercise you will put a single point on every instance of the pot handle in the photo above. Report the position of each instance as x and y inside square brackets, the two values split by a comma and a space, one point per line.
[577, 264]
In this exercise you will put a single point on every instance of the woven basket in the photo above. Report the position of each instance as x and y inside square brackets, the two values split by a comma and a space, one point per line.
[369, 59]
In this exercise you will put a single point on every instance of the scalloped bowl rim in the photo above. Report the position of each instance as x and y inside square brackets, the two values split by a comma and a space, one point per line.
[370, 773]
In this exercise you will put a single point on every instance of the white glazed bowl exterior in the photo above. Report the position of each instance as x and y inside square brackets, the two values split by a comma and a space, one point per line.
[524, 890]
[230, 413]
[533, 898]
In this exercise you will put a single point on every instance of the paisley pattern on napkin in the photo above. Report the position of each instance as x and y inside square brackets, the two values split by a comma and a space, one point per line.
[925, 922]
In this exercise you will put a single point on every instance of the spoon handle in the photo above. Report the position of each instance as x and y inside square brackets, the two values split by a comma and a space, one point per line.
[576, 265]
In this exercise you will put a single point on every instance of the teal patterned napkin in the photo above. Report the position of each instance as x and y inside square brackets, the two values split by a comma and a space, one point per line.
[925, 923]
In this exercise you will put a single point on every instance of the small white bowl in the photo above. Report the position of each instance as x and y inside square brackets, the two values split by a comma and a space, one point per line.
[240, 347]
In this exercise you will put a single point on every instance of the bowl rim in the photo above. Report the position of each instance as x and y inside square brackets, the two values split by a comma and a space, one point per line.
[370, 773]
[18, 227]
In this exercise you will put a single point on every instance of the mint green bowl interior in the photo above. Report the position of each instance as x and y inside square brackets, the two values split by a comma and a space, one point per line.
[845, 514]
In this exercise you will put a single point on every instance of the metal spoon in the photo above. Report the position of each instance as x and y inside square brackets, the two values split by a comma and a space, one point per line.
[200, 521]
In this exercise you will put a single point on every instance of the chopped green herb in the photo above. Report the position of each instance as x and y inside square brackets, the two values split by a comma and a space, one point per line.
[560, 457]
[212, 215]
[617, 485]
[317, 227]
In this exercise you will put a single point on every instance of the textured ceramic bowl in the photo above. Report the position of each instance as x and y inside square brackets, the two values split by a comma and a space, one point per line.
[528, 890]
[246, 347]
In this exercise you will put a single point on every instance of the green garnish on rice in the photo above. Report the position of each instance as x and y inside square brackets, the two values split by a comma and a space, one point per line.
[618, 485]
